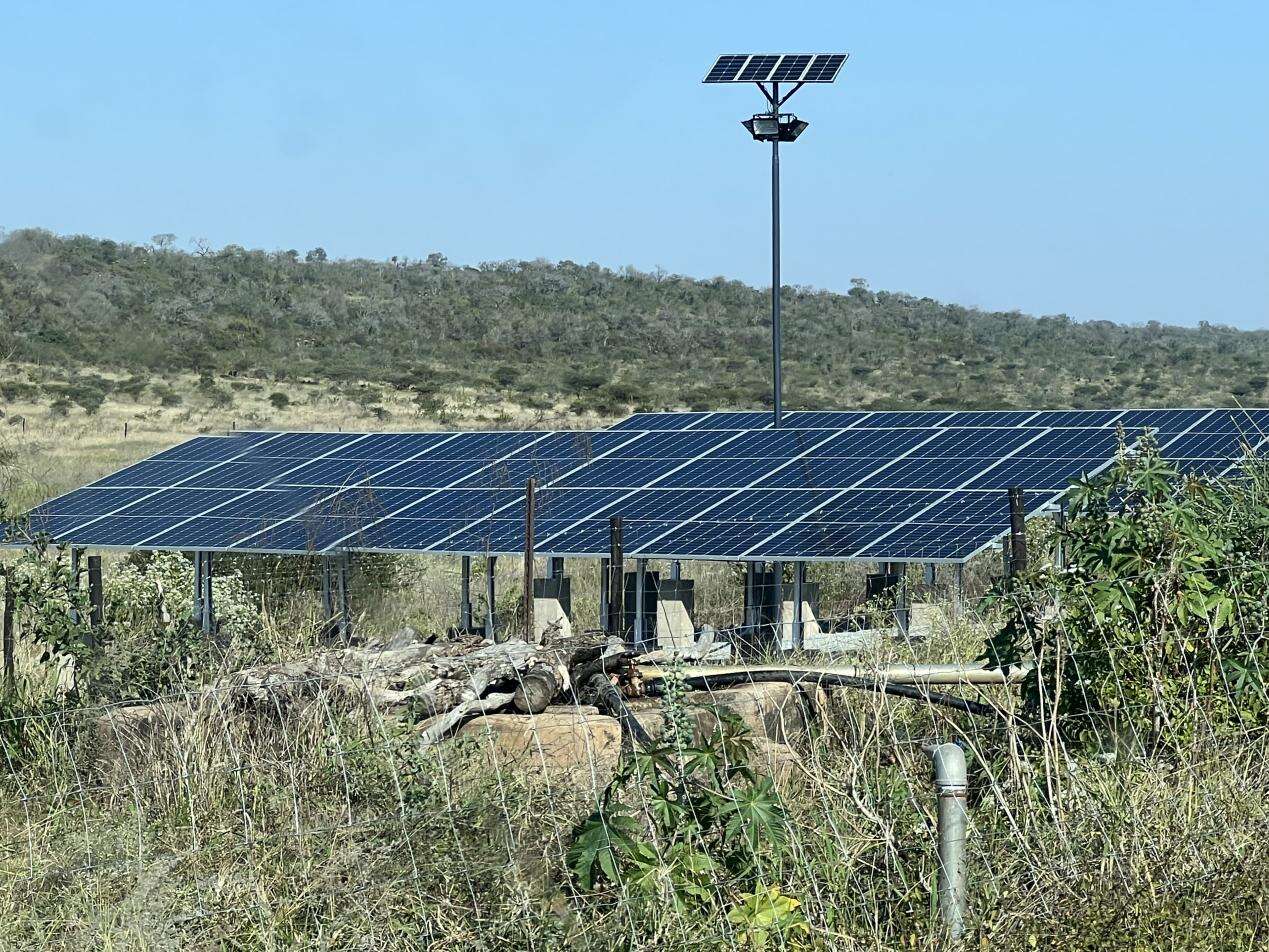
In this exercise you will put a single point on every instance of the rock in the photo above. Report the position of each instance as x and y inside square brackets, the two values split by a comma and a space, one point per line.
[780, 762]
[577, 747]
[128, 740]
[772, 710]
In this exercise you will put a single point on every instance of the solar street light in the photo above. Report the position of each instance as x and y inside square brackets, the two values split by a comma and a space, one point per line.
[767, 72]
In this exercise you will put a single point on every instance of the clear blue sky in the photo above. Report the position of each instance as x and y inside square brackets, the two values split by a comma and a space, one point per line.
[1103, 159]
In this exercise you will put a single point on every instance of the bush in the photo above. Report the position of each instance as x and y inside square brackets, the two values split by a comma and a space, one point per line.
[279, 400]
[1160, 617]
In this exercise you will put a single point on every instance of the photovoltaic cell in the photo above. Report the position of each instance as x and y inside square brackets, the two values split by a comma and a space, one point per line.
[885, 485]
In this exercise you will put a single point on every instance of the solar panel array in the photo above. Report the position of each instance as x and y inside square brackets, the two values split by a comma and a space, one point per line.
[776, 68]
[897, 486]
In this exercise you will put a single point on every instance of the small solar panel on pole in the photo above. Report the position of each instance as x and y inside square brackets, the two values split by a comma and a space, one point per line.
[773, 126]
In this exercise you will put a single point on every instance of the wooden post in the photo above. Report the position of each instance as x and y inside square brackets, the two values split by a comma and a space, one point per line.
[617, 580]
[96, 597]
[10, 604]
[529, 488]
[1017, 532]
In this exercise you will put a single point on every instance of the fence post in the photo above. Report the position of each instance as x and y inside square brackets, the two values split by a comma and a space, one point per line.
[10, 604]
[951, 783]
[1017, 532]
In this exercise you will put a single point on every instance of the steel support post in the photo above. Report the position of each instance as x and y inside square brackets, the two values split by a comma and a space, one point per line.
[490, 596]
[777, 615]
[75, 555]
[640, 619]
[464, 596]
[345, 595]
[676, 571]
[556, 568]
[208, 619]
[799, 584]
[196, 610]
[776, 381]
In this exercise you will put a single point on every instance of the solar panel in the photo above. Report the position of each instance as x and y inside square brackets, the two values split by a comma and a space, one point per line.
[874, 485]
[775, 67]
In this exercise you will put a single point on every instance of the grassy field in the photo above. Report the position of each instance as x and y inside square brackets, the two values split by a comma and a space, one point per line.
[328, 828]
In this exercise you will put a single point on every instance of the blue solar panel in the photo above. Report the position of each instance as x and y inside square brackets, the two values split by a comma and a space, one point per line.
[850, 484]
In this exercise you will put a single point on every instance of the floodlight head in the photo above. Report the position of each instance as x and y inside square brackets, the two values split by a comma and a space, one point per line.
[765, 127]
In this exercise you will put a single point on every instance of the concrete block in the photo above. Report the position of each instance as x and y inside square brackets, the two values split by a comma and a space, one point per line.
[550, 621]
[675, 628]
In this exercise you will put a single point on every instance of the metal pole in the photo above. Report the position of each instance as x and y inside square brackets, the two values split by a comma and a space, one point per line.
[950, 780]
[641, 569]
[777, 616]
[556, 568]
[617, 583]
[676, 571]
[799, 583]
[464, 603]
[74, 584]
[345, 612]
[529, 490]
[96, 598]
[209, 611]
[490, 593]
[328, 593]
[197, 610]
[1059, 558]
[930, 576]
[775, 256]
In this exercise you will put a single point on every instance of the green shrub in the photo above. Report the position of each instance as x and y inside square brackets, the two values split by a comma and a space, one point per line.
[1155, 630]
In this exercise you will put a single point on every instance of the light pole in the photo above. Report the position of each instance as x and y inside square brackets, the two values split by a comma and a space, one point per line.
[775, 127]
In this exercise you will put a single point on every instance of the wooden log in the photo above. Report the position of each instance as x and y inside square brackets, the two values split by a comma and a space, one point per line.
[536, 689]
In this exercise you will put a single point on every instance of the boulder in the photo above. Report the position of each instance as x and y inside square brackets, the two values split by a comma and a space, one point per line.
[128, 740]
[574, 746]
[772, 710]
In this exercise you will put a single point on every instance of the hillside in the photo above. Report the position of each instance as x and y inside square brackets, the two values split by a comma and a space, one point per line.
[535, 334]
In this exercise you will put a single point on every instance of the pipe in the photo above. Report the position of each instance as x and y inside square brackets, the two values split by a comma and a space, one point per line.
[892, 674]
[709, 682]
[951, 782]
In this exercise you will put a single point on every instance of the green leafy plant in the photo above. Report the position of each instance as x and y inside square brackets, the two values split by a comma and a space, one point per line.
[1156, 627]
[767, 917]
[682, 824]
